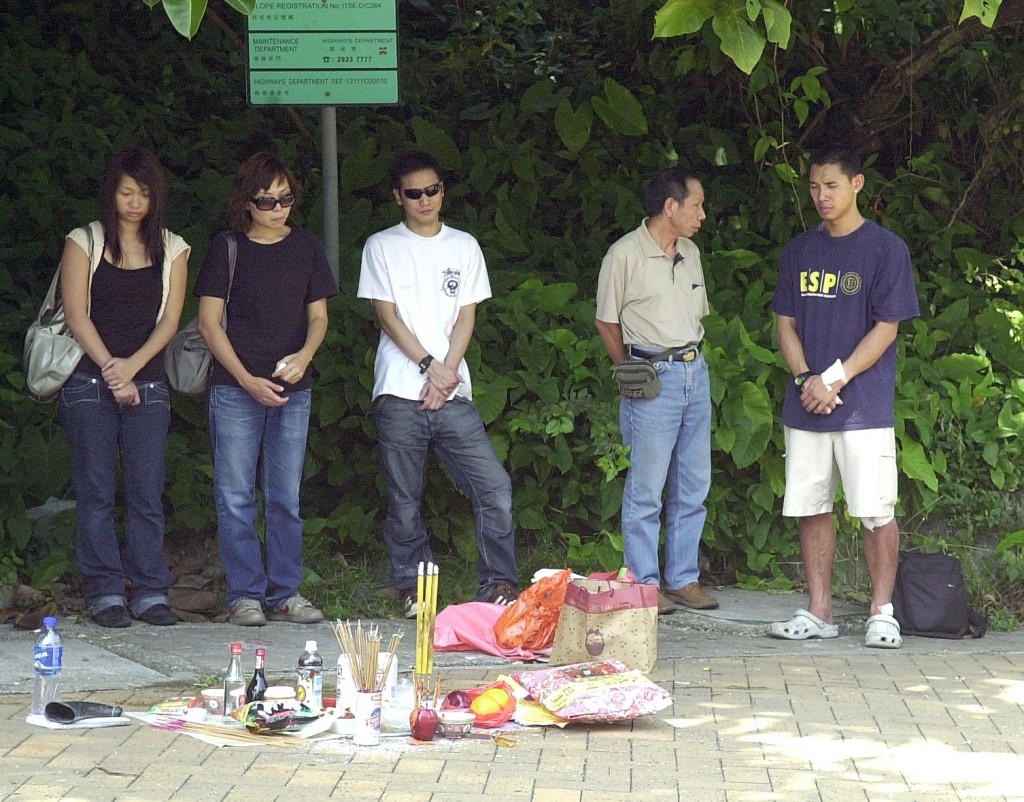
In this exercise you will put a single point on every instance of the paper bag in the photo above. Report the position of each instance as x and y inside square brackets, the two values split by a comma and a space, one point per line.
[608, 619]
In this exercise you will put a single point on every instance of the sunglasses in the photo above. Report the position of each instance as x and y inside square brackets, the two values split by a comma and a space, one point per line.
[267, 204]
[416, 194]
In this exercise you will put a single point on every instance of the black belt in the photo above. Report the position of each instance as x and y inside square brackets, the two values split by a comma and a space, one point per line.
[687, 354]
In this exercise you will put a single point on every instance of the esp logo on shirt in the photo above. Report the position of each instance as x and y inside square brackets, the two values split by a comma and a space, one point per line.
[818, 282]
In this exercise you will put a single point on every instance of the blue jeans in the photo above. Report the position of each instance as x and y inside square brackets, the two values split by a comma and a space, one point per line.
[99, 430]
[245, 434]
[670, 451]
[456, 434]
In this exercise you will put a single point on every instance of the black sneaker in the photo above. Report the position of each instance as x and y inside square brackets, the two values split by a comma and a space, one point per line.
[115, 617]
[410, 607]
[159, 615]
[499, 593]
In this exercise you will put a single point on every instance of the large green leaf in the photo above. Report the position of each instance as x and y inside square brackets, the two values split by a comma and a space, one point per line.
[573, 127]
[620, 109]
[1001, 329]
[916, 465]
[363, 168]
[778, 22]
[679, 17]
[749, 413]
[242, 6]
[436, 142]
[185, 15]
[984, 10]
[741, 42]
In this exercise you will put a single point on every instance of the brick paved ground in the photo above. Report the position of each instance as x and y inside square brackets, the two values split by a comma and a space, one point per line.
[865, 726]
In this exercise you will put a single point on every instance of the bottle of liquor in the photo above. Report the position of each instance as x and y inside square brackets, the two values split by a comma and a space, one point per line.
[234, 681]
[311, 678]
[257, 687]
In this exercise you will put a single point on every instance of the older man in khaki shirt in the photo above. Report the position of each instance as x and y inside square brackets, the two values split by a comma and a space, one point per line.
[650, 301]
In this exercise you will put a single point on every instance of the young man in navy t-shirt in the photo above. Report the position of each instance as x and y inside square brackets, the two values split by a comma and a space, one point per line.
[844, 286]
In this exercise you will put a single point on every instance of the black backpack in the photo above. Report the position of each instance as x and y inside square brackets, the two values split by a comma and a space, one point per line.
[929, 598]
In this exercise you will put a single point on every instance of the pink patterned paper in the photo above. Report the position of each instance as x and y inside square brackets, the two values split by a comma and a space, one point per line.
[602, 691]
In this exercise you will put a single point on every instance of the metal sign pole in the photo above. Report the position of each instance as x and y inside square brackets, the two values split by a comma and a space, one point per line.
[329, 167]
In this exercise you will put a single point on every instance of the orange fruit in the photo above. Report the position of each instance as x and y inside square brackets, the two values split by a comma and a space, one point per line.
[485, 705]
[498, 695]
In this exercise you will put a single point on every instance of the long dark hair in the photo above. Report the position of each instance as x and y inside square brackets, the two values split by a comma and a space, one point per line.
[142, 166]
[257, 173]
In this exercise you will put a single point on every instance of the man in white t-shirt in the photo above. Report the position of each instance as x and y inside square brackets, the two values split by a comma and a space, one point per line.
[425, 280]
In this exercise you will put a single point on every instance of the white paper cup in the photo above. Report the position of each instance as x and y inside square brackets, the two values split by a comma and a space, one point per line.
[367, 713]
[213, 701]
[346, 687]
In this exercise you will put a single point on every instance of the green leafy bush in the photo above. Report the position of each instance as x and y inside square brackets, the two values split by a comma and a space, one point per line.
[552, 117]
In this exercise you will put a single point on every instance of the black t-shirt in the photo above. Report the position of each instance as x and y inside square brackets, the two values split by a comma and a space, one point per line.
[123, 306]
[272, 286]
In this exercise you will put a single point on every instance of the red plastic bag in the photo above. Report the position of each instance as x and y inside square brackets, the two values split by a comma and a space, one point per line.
[487, 720]
[529, 623]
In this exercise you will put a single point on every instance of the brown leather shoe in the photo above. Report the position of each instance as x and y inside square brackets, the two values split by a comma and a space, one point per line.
[665, 604]
[692, 596]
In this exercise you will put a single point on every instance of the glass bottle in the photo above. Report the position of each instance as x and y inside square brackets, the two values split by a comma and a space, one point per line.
[257, 687]
[234, 681]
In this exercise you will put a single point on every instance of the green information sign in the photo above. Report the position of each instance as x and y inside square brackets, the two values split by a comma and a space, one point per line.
[323, 52]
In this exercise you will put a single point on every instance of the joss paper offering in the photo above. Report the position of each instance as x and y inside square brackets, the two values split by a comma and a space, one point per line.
[602, 691]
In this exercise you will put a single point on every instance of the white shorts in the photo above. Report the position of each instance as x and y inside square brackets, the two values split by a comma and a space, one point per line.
[865, 459]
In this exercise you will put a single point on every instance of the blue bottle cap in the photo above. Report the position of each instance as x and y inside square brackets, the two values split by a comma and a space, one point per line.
[50, 621]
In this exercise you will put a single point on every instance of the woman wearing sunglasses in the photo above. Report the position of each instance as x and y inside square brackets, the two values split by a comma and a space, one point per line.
[260, 387]
[123, 282]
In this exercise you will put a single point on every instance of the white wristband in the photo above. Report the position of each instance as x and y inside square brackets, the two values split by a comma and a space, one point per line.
[833, 373]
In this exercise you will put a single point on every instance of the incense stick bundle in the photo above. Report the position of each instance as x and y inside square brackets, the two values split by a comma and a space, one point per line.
[362, 649]
[227, 734]
[426, 613]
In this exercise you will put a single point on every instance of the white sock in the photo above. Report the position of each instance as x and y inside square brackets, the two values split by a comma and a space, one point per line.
[885, 609]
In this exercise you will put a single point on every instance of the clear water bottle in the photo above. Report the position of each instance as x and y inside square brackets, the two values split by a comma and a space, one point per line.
[234, 681]
[48, 661]
[311, 678]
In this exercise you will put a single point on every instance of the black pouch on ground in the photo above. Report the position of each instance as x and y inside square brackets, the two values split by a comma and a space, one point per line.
[70, 712]
[929, 598]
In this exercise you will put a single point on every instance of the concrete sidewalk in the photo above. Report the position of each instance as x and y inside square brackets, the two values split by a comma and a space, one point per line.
[753, 719]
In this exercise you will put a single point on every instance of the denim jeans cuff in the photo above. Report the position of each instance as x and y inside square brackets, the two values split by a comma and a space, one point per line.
[140, 605]
[103, 602]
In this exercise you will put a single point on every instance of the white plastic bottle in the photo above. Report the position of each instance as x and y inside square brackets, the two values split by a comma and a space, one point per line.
[48, 662]
[310, 688]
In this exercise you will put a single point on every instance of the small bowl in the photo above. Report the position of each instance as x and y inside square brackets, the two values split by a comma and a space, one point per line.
[455, 723]
[340, 725]
[195, 714]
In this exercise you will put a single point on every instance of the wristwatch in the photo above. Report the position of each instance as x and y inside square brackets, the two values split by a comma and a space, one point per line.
[800, 378]
[425, 363]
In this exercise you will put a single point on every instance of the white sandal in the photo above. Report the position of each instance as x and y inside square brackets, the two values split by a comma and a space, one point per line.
[883, 632]
[802, 626]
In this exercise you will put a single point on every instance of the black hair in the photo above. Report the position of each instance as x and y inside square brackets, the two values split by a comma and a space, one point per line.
[142, 166]
[843, 156]
[256, 173]
[670, 183]
[412, 161]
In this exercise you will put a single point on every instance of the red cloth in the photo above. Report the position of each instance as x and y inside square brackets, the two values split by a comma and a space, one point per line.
[470, 628]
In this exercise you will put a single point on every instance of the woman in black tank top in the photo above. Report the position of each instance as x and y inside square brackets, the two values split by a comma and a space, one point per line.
[123, 282]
